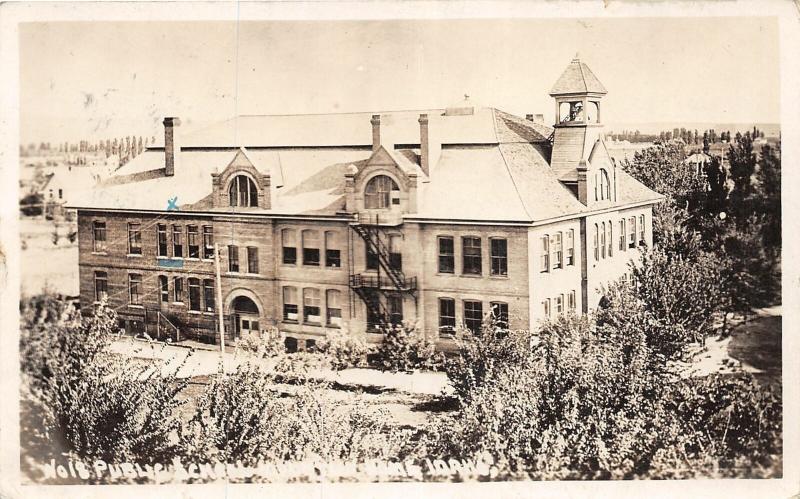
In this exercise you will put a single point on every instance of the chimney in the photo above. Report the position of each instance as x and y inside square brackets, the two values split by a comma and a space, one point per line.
[376, 131]
[424, 145]
[172, 146]
[529, 117]
[538, 118]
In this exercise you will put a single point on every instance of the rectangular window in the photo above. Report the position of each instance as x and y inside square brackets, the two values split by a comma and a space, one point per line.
[447, 258]
[500, 314]
[208, 241]
[208, 294]
[252, 260]
[641, 230]
[100, 236]
[571, 303]
[135, 289]
[194, 244]
[473, 315]
[596, 241]
[396, 252]
[546, 307]
[610, 238]
[373, 262]
[290, 306]
[100, 286]
[311, 248]
[289, 238]
[333, 251]
[447, 316]
[177, 285]
[194, 294]
[162, 239]
[311, 306]
[622, 244]
[471, 257]
[134, 239]
[571, 247]
[334, 304]
[233, 258]
[603, 240]
[557, 248]
[545, 258]
[395, 305]
[499, 256]
[560, 304]
[163, 286]
[632, 232]
[177, 241]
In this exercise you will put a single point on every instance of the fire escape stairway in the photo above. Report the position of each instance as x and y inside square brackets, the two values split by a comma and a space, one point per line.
[389, 278]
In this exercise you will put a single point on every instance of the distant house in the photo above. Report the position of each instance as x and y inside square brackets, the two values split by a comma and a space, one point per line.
[63, 183]
[698, 162]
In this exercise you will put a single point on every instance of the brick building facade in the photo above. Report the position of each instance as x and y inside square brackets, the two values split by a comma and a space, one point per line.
[354, 221]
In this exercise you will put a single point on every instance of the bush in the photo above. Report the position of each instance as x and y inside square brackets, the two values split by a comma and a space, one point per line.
[80, 399]
[570, 405]
[405, 348]
[266, 344]
[479, 353]
[673, 299]
[344, 350]
[242, 417]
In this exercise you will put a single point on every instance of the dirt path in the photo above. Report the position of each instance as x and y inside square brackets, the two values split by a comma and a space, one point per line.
[753, 346]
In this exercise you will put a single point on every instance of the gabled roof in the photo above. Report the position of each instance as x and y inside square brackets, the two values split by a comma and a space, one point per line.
[355, 130]
[507, 179]
[577, 79]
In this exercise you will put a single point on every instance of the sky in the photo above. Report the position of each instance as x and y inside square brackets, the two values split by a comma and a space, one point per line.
[107, 79]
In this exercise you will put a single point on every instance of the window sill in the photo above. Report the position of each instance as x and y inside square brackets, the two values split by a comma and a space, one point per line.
[311, 265]
[134, 255]
[179, 303]
[474, 276]
[334, 267]
[314, 324]
[284, 264]
[195, 312]
[333, 326]
[136, 306]
[499, 276]
[290, 321]
[101, 253]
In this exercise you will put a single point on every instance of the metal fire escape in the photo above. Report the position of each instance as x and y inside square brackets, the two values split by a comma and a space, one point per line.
[388, 278]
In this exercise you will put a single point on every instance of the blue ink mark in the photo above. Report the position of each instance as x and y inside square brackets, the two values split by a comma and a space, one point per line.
[171, 204]
[173, 263]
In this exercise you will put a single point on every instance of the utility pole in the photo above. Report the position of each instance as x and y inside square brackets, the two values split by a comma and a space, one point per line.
[219, 301]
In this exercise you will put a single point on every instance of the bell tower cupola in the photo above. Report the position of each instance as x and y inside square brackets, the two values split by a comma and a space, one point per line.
[577, 93]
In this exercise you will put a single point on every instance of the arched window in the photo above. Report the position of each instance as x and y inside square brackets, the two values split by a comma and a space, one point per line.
[381, 192]
[243, 191]
[605, 185]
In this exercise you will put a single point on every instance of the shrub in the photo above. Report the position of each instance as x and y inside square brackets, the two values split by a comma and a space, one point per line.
[478, 353]
[80, 399]
[405, 348]
[344, 350]
[266, 344]
[242, 417]
[570, 405]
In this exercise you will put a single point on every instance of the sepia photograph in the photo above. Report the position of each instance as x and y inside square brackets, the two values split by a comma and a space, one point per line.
[377, 250]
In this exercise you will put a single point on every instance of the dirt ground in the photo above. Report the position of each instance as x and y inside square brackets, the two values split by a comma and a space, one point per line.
[753, 346]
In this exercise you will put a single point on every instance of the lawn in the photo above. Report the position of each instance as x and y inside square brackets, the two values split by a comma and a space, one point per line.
[45, 265]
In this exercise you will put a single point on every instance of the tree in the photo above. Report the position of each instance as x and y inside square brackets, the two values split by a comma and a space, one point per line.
[742, 162]
[768, 191]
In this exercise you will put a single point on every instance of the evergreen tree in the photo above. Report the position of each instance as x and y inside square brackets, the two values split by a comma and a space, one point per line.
[768, 194]
[742, 167]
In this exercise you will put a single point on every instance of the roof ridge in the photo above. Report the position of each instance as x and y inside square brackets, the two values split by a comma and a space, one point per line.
[583, 75]
[338, 113]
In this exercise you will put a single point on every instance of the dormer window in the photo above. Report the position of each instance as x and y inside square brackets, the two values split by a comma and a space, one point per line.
[602, 186]
[243, 192]
[381, 192]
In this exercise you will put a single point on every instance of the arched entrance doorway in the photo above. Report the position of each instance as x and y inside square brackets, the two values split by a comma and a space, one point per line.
[246, 316]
